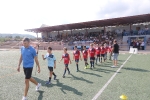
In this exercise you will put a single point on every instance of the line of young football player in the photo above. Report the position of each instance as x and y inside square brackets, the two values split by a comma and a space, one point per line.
[106, 50]
[85, 56]
[51, 60]
[102, 53]
[92, 53]
[110, 52]
[76, 56]
[98, 52]
[66, 58]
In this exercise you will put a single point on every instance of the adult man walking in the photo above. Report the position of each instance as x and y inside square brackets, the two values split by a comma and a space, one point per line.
[28, 55]
[115, 51]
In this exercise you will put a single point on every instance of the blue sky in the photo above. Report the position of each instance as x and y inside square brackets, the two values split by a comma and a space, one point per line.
[17, 15]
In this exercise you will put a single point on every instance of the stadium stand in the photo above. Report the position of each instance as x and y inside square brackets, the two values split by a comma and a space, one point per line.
[98, 31]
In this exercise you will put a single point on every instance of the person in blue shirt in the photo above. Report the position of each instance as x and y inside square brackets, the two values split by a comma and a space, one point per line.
[28, 55]
[51, 62]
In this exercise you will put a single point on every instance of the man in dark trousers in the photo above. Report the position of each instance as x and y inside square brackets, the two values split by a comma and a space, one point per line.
[115, 53]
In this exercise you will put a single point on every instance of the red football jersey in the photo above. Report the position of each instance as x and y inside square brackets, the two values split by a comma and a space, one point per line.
[109, 49]
[85, 54]
[76, 54]
[92, 52]
[98, 50]
[103, 50]
[66, 58]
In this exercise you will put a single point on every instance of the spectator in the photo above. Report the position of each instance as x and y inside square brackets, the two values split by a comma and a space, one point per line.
[142, 45]
[134, 44]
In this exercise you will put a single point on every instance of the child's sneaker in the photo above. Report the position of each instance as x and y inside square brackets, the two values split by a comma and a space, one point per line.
[38, 86]
[113, 66]
[49, 82]
[88, 66]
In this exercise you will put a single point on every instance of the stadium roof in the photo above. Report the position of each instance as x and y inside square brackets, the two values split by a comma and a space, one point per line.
[97, 23]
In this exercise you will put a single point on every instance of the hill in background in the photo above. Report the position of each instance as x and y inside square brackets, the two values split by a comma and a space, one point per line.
[14, 35]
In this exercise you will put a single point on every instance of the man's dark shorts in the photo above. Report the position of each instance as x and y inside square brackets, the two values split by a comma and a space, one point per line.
[28, 72]
[50, 69]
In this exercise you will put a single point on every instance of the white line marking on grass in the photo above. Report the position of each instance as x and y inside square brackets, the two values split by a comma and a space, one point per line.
[103, 88]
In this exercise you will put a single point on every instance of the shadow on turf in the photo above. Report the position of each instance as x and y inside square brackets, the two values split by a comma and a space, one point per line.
[103, 70]
[40, 97]
[109, 64]
[65, 87]
[136, 69]
[90, 73]
[80, 79]
[59, 84]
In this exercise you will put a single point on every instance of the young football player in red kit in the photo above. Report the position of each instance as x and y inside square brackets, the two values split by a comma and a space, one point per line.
[85, 56]
[98, 51]
[110, 52]
[106, 50]
[76, 56]
[102, 53]
[66, 58]
[92, 53]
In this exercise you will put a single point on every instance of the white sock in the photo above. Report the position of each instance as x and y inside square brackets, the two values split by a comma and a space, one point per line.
[24, 97]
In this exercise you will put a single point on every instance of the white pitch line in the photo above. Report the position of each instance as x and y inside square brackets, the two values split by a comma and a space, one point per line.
[103, 88]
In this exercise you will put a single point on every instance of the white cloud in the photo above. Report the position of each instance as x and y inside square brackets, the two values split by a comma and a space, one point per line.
[17, 15]
[120, 8]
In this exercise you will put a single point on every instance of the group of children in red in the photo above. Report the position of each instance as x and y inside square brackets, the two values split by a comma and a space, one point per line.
[95, 51]
[98, 52]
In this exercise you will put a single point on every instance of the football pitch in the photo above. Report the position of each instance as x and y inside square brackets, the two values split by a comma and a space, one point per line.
[133, 79]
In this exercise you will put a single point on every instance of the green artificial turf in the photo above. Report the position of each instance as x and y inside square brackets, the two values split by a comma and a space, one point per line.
[132, 80]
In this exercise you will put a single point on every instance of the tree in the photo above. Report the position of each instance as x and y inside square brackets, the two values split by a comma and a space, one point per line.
[17, 38]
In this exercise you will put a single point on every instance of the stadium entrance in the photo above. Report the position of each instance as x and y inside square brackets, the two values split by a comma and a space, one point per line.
[138, 42]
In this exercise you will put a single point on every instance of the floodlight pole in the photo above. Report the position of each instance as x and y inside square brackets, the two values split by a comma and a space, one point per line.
[71, 31]
[58, 34]
[130, 27]
[37, 35]
[47, 34]
[104, 29]
[86, 31]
